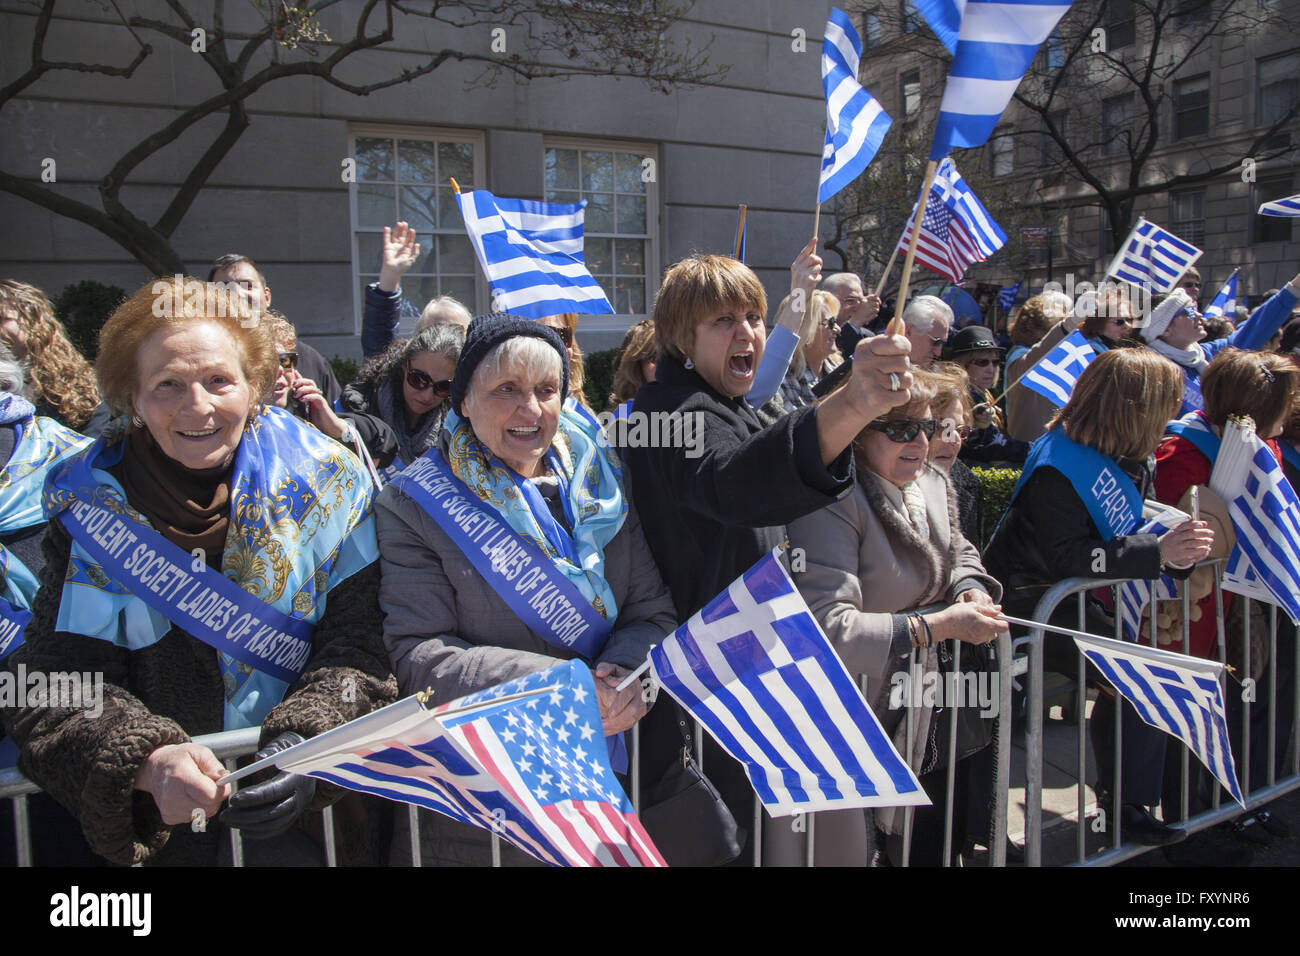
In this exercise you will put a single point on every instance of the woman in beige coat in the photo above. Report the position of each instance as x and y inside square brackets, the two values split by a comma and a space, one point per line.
[873, 559]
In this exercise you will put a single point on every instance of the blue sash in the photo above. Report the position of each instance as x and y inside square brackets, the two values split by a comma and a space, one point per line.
[12, 622]
[519, 572]
[1195, 427]
[1113, 501]
[300, 523]
[1192, 399]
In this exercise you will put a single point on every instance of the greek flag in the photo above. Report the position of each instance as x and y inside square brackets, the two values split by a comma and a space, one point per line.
[856, 123]
[1057, 371]
[995, 45]
[956, 229]
[532, 255]
[1290, 206]
[1175, 693]
[944, 18]
[1226, 301]
[1265, 515]
[1152, 257]
[756, 670]
[1007, 296]
[1135, 596]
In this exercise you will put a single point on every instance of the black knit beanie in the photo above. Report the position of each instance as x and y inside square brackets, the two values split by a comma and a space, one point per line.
[485, 333]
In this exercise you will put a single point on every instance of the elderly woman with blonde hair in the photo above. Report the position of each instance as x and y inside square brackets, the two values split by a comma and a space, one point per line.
[816, 354]
[168, 539]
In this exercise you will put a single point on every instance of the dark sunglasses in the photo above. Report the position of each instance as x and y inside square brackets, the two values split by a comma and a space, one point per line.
[829, 323]
[983, 362]
[565, 333]
[420, 381]
[904, 430]
[962, 432]
[288, 360]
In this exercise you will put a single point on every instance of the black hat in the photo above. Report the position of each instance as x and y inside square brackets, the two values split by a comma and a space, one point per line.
[485, 333]
[974, 338]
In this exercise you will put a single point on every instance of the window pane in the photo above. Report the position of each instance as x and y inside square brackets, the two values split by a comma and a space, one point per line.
[599, 255]
[597, 170]
[910, 84]
[455, 254]
[629, 296]
[456, 160]
[419, 290]
[870, 31]
[418, 207]
[460, 288]
[1116, 120]
[630, 256]
[1192, 107]
[374, 158]
[427, 263]
[1279, 87]
[417, 161]
[562, 195]
[1188, 215]
[1271, 228]
[376, 205]
[561, 168]
[449, 216]
[1119, 24]
[627, 167]
[631, 213]
[600, 213]
[370, 249]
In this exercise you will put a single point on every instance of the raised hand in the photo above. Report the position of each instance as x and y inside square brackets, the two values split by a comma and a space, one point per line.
[400, 252]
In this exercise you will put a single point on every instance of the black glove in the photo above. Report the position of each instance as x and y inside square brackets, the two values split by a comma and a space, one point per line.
[269, 809]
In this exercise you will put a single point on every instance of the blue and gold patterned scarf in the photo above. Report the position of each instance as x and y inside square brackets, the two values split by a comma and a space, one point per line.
[591, 487]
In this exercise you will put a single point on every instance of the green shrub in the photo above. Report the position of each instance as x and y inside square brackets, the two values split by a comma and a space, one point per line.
[345, 369]
[998, 483]
[598, 368]
[83, 309]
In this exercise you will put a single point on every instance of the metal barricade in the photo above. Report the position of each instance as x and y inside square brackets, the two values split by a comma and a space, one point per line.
[1118, 851]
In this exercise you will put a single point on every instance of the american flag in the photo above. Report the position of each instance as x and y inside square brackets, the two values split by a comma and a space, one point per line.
[1226, 301]
[756, 670]
[1056, 372]
[1152, 257]
[856, 123]
[1265, 516]
[1175, 693]
[1135, 596]
[532, 768]
[1290, 206]
[956, 229]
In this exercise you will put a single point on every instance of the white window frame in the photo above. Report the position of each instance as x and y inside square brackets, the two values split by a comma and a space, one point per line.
[620, 322]
[476, 138]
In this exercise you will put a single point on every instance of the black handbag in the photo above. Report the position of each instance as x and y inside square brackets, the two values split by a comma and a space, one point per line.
[686, 817]
[974, 732]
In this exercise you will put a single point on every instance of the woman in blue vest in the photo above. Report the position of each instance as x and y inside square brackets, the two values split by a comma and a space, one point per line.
[454, 623]
[1075, 513]
[212, 562]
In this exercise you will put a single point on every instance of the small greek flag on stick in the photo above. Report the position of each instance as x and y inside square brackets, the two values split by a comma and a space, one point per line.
[856, 123]
[532, 255]
[1007, 296]
[1225, 303]
[1057, 371]
[1290, 206]
[1152, 257]
[1135, 596]
[1175, 693]
[755, 668]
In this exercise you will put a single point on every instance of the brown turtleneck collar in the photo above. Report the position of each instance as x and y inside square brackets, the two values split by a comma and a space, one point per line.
[188, 507]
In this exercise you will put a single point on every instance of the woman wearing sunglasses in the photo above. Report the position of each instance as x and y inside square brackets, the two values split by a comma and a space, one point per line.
[952, 410]
[816, 354]
[874, 559]
[975, 350]
[407, 387]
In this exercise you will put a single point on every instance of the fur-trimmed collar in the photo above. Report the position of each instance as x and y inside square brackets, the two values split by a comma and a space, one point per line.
[938, 564]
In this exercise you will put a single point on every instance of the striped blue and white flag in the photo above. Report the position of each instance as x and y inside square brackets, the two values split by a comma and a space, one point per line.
[944, 18]
[1265, 516]
[1152, 257]
[856, 123]
[1057, 371]
[525, 759]
[1290, 206]
[956, 229]
[1007, 296]
[755, 668]
[532, 255]
[1135, 596]
[1225, 303]
[996, 43]
[1175, 693]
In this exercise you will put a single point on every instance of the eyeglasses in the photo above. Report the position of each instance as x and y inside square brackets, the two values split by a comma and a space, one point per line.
[903, 430]
[831, 323]
[288, 360]
[962, 432]
[565, 333]
[983, 362]
[421, 382]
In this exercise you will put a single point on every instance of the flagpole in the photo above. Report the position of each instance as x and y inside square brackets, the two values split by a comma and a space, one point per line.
[895, 326]
[817, 222]
[1084, 634]
[740, 232]
[454, 185]
[885, 275]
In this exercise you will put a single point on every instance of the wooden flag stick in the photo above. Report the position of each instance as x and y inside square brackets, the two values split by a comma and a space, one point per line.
[740, 232]
[817, 221]
[454, 185]
[884, 276]
[895, 326]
